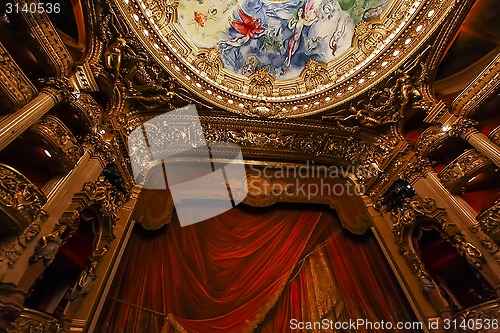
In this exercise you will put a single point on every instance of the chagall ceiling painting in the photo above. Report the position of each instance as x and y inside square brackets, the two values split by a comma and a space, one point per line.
[278, 35]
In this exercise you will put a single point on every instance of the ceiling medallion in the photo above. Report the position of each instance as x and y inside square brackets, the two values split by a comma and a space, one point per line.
[281, 58]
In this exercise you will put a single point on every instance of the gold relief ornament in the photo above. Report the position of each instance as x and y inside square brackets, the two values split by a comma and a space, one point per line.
[467, 163]
[463, 126]
[426, 283]
[110, 199]
[261, 83]
[163, 12]
[17, 193]
[315, 74]
[10, 253]
[369, 36]
[47, 246]
[406, 215]
[60, 88]
[208, 61]
[490, 221]
[85, 281]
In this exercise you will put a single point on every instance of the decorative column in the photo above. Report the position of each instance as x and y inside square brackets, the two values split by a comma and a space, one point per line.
[422, 170]
[465, 128]
[97, 153]
[16, 123]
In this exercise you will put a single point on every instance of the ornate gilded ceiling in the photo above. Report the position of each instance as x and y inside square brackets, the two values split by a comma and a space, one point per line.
[277, 58]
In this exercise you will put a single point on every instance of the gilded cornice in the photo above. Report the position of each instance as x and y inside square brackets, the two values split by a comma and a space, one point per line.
[379, 47]
[461, 81]
[483, 86]
[60, 138]
[20, 200]
[494, 135]
[14, 84]
[48, 40]
[461, 169]
[291, 140]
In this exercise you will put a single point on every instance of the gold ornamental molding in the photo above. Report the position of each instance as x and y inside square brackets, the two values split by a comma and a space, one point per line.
[47, 39]
[482, 87]
[379, 46]
[430, 140]
[36, 321]
[60, 138]
[267, 139]
[490, 221]
[463, 168]
[21, 202]
[13, 83]
[494, 135]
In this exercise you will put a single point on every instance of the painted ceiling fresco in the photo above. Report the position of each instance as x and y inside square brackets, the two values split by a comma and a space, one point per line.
[279, 35]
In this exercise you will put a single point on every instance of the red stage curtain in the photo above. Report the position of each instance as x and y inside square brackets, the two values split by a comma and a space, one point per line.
[227, 273]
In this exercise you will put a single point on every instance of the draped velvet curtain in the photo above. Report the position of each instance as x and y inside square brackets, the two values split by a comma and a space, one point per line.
[250, 270]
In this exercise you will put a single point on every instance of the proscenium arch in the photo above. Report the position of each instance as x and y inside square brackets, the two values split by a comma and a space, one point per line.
[155, 207]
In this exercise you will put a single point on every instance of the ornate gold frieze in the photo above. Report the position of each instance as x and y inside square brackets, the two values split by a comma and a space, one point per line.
[488, 314]
[429, 140]
[490, 221]
[88, 108]
[384, 105]
[20, 201]
[494, 136]
[483, 86]
[60, 138]
[256, 139]
[36, 321]
[13, 83]
[47, 39]
[380, 46]
[463, 168]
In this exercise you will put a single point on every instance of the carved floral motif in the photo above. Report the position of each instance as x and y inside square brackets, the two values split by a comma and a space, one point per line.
[261, 83]
[315, 74]
[465, 165]
[36, 322]
[19, 199]
[12, 80]
[490, 221]
[209, 62]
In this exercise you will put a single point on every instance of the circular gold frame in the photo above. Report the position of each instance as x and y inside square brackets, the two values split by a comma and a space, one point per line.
[379, 46]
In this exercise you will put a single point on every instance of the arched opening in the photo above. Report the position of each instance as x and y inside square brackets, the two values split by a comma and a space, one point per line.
[50, 293]
[447, 151]
[76, 122]
[31, 155]
[482, 190]
[460, 282]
